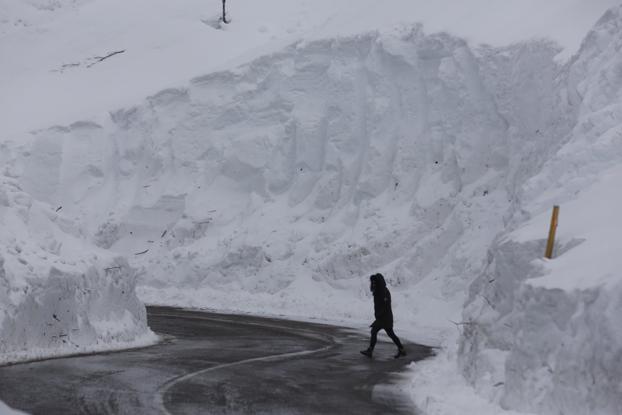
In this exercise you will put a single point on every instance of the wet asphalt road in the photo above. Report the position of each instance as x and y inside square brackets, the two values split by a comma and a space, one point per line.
[219, 364]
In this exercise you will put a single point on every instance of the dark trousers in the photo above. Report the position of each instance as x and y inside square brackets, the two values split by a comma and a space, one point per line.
[389, 330]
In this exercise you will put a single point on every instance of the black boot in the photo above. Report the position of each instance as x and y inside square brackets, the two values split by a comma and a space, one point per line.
[367, 352]
[400, 352]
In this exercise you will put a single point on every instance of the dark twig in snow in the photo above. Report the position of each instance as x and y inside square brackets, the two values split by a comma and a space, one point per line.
[59, 208]
[462, 323]
[99, 59]
[163, 234]
[224, 12]
[66, 66]
[141, 253]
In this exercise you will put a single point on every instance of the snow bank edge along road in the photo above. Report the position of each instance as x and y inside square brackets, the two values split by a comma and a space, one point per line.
[57, 295]
[544, 335]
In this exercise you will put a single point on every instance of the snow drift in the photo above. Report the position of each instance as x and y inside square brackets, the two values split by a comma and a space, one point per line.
[56, 296]
[545, 336]
[280, 184]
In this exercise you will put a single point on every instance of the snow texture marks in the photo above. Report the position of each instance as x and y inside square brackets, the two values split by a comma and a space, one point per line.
[539, 349]
[544, 336]
[593, 85]
[24, 15]
[57, 296]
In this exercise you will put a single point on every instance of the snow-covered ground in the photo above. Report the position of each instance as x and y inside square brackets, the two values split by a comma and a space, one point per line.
[5, 410]
[47, 47]
[281, 159]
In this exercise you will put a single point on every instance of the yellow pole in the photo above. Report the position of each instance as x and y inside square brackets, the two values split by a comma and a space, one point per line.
[551, 242]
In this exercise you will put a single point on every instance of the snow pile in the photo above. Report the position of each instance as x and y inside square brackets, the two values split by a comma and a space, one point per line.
[278, 186]
[56, 296]
[438, 388]
[542, 335]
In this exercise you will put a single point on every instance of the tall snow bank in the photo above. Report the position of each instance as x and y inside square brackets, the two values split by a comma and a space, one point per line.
[542, 335]
[56, 296]
[280, 184]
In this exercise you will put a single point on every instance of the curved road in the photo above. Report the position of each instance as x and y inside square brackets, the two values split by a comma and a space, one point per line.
[219, 364]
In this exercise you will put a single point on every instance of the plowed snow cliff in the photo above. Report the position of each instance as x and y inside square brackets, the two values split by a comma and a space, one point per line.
[549, 331]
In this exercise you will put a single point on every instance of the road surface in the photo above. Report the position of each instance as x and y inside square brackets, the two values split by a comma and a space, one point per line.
[212, 363]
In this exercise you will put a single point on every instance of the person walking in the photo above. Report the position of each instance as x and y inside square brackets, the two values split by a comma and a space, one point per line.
[383, 314]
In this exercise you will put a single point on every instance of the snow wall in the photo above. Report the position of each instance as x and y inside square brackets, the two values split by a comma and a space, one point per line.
[57, 296]
[545, 336]
[279, 186]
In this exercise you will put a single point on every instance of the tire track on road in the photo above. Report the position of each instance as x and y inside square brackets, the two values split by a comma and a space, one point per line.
[162, 390]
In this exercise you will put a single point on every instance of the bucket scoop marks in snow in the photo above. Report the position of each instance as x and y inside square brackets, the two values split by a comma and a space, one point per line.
[384, 316]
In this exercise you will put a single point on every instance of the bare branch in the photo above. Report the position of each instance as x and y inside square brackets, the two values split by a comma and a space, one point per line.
[99, 59]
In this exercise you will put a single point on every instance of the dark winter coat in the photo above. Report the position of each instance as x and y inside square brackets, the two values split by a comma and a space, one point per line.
[382, 302]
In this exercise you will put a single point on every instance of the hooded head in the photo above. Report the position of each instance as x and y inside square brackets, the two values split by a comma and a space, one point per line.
[376, 281]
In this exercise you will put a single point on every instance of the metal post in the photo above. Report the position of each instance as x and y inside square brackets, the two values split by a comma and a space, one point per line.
[551, 241]
[224, 12]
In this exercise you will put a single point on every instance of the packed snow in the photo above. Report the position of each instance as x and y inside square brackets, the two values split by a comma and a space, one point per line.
[544, 335]
[56, 296]
[281, 159]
